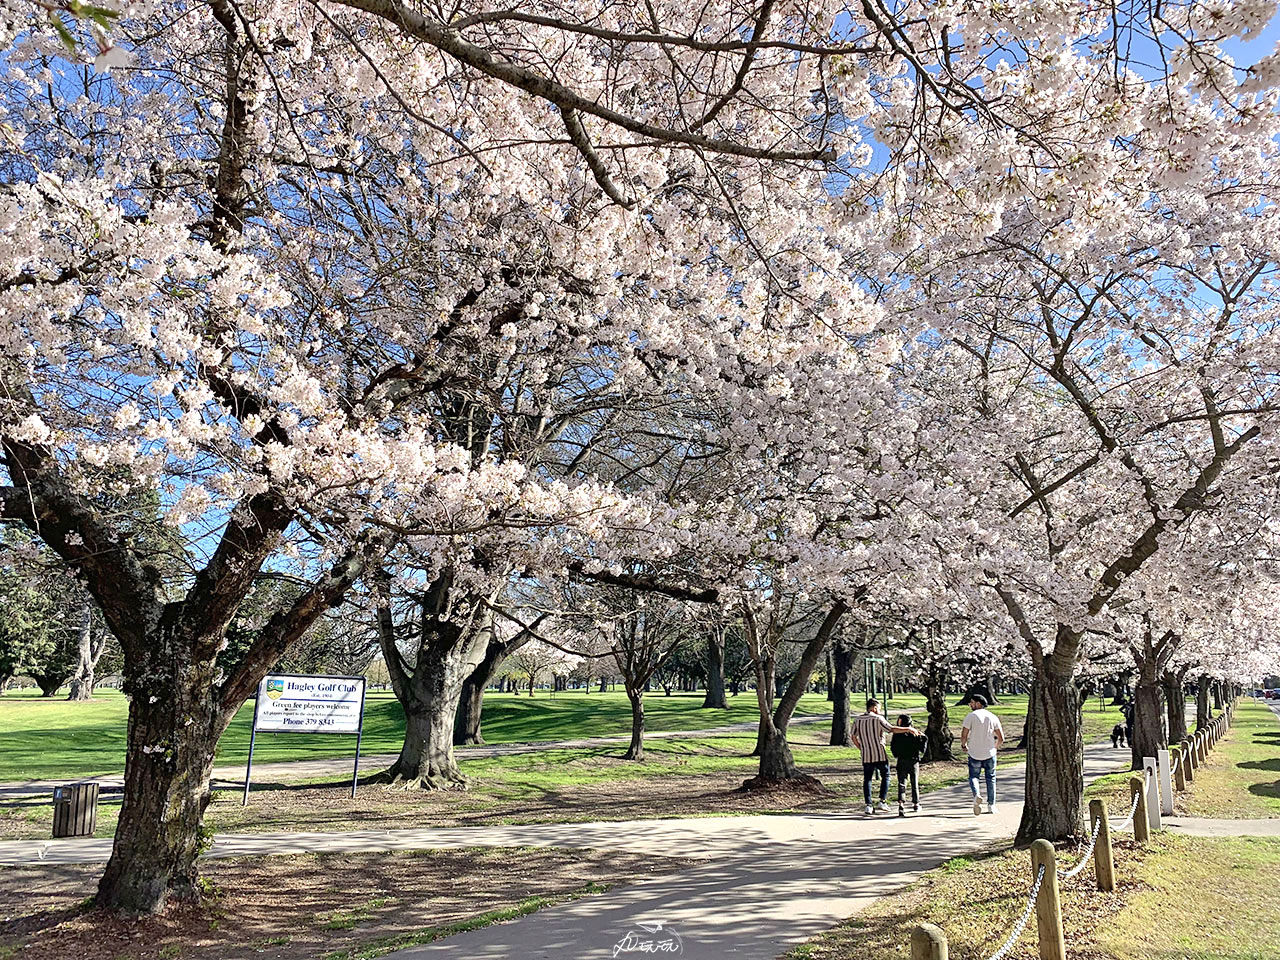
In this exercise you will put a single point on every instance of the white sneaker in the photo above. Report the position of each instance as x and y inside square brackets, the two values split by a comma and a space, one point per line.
[881, 805]
[869, 810]
[977, 806]
[991, 808]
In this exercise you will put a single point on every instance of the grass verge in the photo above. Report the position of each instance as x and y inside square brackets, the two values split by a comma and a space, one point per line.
[1178, 898]
[679, 777]
[1241, 779]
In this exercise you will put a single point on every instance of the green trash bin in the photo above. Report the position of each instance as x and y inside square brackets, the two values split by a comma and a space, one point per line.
[75, 809]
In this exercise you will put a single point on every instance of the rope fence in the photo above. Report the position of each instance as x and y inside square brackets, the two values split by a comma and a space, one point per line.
[1022, 920]
[1133, 808]
[1087, 857]
[1151, 792]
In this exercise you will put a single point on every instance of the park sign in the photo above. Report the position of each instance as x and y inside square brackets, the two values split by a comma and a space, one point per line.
[294, 703]
[289, 704]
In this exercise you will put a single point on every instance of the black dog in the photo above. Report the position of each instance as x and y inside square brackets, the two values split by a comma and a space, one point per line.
[1117, 735]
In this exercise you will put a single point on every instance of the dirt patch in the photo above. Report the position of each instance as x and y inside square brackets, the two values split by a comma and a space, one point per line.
[290, 908]
[801, 787]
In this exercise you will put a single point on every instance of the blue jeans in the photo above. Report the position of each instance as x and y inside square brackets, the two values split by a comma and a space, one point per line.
[869, 770]
[983, 767]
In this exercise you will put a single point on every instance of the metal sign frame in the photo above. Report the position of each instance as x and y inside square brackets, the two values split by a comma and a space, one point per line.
[253, 730]
[869, 676]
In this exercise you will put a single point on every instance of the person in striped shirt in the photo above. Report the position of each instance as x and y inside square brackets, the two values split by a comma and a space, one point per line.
[868, 736]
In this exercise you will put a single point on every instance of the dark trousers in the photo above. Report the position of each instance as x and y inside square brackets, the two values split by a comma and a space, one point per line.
[869, 770]
[909, 771]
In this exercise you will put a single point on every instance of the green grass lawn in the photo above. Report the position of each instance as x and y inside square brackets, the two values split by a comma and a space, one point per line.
[679, 777]
[1179, 898]
[47, 738]
[1241, 779]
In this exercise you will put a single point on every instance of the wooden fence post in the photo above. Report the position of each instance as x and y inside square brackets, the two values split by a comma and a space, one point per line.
[1188, 759]
[1154, 803]
[928, 943]
[1180, 773]
[1053, 945]
[1104, 864]
[1141, 825]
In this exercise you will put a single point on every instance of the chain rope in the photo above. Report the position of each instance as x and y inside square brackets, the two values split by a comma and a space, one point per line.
[1084, 857]
[1133, 810]
[1022, 921]
[1021, 925]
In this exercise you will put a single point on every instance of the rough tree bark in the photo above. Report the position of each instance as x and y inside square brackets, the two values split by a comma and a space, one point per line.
[175, 720]
[1203, 714]
[1055, 759]
[466, 727]
[1217, 695]
[90, 652]
[715, 698]
[1148, 718]
[1175, 700]
[937, 731]
[842, 656]
[448, 651]
[635, 751]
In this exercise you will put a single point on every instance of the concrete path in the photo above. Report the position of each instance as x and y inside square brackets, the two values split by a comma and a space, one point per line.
[766, 882]
[231, 776]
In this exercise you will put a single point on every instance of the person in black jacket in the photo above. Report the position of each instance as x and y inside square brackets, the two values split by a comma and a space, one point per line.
[907, 749]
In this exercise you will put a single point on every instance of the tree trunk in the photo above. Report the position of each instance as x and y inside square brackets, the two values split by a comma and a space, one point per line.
[842, 655]
[776, 762]
[1217, 695]
[48, 685]
[1122, 688]
[448, 654]
[82, 682]
[1175, 701]
[1055, 761]
[466, 728]
[938, 735]
[466, 725]
[1203, 713]
[1148, 717]
[636, 750]
[426, 758]
[764, 693]
[173, 730]
[715, 673]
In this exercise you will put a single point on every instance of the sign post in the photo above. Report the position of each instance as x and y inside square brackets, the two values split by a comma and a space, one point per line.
[874, 689]
[253, 735]
[290, 703]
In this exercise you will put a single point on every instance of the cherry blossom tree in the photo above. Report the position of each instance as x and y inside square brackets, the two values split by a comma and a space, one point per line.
[338, 283]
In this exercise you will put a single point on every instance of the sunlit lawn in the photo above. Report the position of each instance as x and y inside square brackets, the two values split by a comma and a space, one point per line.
[1241, 779]
[1179, 898]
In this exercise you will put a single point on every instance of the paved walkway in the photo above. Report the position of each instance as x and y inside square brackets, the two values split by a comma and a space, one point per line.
[231, 776]
[765, 883]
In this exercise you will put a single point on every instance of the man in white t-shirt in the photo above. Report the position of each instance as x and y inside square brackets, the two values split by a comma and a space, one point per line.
[981, 736]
